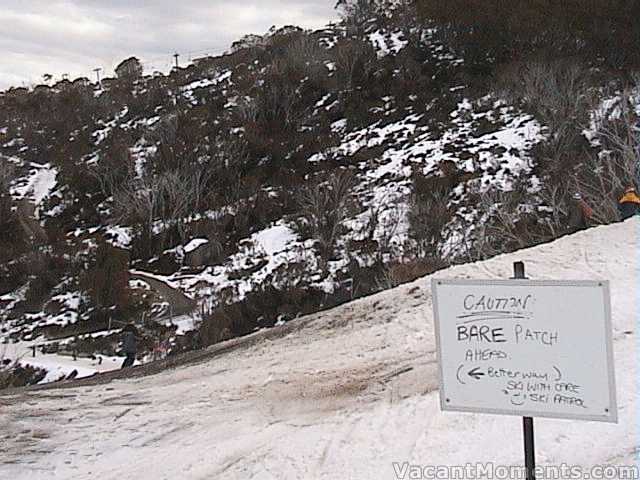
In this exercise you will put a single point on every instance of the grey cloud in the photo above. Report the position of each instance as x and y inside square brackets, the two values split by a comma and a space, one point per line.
[75, 36]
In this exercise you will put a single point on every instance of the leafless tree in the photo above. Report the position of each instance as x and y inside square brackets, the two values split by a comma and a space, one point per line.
[604, 176]
[505, 226]
[554, 198]
[619, 131]
[428, 216]
[324, 206]
[381, 227]
[140, 200]
[505, 221]
[556, 90]
[178, 196]
[276, 103]
[557, 93]
[110, 174]
[167, 198]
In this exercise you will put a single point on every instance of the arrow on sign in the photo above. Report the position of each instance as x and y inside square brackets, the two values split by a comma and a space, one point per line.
[475, 373]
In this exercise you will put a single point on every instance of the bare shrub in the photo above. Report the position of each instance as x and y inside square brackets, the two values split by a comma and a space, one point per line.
[263, 307]
[427, 219]
[180, 193]
[277, 102]
[229, 161]
[506, 228]
[303, 58]
[115, 165]
[380, 229]
[556, 91]
[619, 131]
[554, 196]
[602, 178]
[178, 141]
[217, 325]
[355, 60]
[404, 272]
[506, 221]
[138, 200]
[428, 214]
[601, 181]
[324, 206]
[167, 198]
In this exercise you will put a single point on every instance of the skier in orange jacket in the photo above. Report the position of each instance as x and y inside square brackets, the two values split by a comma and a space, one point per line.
[629, 203]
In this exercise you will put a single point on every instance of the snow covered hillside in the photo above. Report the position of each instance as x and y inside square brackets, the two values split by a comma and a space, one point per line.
[345, 397]
[298, 171]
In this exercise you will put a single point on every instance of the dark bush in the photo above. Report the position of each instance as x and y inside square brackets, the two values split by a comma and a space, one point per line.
[260, 309]
[106, 280]
[488, 32]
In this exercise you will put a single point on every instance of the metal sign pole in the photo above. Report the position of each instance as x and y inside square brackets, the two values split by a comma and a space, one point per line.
[527, 422]
[529, 448]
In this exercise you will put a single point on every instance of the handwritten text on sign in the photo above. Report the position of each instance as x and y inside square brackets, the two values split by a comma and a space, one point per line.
[528, 348]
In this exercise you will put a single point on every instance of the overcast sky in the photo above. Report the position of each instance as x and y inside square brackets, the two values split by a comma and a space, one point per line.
[76, 36]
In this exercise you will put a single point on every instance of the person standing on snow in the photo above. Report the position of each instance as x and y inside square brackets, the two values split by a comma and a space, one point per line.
[129, 345]
[629, 204]
[581, 213]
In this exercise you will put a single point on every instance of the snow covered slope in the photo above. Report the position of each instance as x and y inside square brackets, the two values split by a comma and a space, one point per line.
[347, 396]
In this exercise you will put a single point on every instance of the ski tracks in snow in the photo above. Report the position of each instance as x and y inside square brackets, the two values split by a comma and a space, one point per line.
[344, 397]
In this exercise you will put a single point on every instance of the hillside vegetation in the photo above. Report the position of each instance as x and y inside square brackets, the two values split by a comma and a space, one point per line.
[305, 168]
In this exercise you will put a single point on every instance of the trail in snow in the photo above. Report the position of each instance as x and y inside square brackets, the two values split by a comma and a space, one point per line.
[180, 303]
[345, 397]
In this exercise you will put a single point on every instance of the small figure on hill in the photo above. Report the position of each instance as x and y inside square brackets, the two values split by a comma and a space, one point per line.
[629, 203]
[196, 342]
[129, 345]
[581, 214]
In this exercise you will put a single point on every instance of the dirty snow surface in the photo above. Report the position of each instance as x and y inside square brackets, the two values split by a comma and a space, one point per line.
[336, 399]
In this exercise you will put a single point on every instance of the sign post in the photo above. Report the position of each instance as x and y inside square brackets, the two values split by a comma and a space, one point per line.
[527, 422]
[527, 348]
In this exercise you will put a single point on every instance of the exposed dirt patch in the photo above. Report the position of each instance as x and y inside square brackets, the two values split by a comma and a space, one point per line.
[334, 390]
